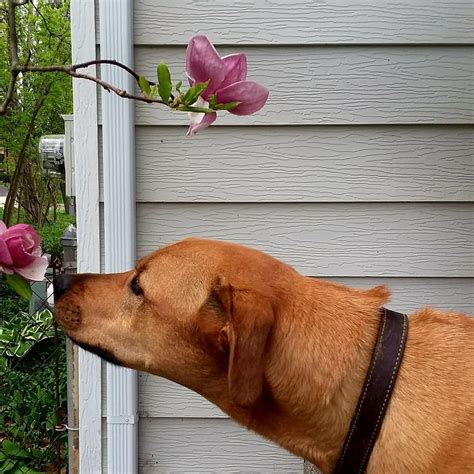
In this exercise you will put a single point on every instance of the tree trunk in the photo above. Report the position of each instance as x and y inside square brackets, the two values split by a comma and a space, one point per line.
[21, 162]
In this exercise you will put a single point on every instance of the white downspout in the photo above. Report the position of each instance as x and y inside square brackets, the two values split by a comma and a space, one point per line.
[118, 132]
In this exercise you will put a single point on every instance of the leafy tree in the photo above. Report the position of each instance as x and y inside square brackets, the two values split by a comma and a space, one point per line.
[43, 36]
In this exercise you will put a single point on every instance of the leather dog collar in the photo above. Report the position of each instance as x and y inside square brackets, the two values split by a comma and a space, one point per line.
[375, 395]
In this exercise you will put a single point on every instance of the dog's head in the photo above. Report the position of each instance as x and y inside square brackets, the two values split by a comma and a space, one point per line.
[197, 312]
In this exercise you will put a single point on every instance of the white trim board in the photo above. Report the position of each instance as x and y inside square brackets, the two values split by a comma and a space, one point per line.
[88, 235]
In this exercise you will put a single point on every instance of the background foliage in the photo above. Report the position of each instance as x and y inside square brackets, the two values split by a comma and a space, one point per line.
[28, 380]
[44, 38]
[29, 376]
[32, 363]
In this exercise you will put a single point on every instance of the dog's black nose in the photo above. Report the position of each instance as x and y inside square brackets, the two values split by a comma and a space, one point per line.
[60, 284]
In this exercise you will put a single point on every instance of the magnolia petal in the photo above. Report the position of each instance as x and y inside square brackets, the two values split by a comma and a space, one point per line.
[5, 257]
[35, 271]
[29, 242]
[23, 230]
[203, 63]
[204, 122]
[37, 252]
[195, 117]
[3, 227]
[200, 120]
[7, 271]
[235, 69]
[19, 255]
[20, 228]
[251, 95]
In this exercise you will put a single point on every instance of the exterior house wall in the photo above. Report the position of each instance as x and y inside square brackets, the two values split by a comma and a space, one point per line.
[360, 169]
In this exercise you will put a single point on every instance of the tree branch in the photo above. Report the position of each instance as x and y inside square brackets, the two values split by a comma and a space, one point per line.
[110, 88]
[12, 34]
[70, 69]
[74, 67]
[113, 63]
[13, 46]
[51, 33]
[13, 190]
[9, 94]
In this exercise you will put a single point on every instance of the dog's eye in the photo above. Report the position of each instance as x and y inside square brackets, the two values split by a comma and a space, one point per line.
[135, 286]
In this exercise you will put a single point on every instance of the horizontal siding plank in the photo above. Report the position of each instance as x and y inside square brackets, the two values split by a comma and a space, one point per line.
[339, 85]
[411, 294]
[306, 164]
[159, 397]
[204, 446]
[208, 446]
[431, 240]
[304, 21]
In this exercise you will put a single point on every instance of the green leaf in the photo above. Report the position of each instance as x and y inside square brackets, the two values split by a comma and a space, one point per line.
[213, 101]
[179, 85]
[228, 106]
[154, 91]
[8, 466]
[6, 335]
[198, 110]
[144, 85]
[20, 285]
[23, 469]
[164, 81]
[21, 349]
[193, 93]
[12, 449]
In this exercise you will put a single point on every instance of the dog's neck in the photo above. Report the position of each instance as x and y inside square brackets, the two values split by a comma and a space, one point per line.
[312, 387]
[337, 328]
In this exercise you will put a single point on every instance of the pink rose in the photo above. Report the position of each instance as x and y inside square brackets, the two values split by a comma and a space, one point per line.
[20, 252]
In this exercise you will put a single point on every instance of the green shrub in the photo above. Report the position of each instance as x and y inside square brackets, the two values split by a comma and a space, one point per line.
[5, 173]
[28, 377]
[28, 381]
[10, 303]
[51, 234]
[27, 412]
[5, 178]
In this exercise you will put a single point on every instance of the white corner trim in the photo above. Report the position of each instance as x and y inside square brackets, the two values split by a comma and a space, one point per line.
[88, 232]
[118, 129]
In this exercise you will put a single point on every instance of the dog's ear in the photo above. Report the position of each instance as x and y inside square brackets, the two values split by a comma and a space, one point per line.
[250, 319]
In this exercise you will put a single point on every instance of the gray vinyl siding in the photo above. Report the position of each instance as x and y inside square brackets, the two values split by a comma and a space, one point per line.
[321, 85]
[366, 239]
[360, 169]
[306, 164]
[198, 445]
[377, 22]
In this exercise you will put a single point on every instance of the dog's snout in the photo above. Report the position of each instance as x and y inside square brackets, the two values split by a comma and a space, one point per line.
[61, 283]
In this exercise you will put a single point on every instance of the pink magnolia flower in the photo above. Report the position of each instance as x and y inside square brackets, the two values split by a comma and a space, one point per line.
[227, 81]
[20, 252]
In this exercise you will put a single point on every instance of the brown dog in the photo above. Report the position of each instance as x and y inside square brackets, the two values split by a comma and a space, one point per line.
[283, 354]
